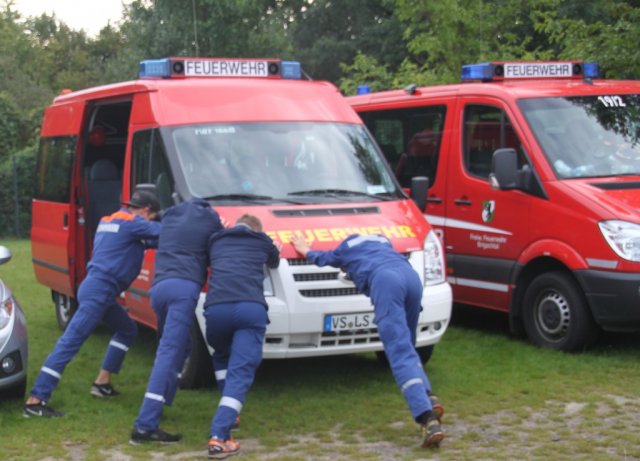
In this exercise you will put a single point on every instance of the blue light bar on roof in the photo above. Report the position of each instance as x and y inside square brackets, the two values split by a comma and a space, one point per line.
[482, 71]
[290, 70]
[363, 89]
[219, 68]
[154, 68]
[591, 70]
[493, 71]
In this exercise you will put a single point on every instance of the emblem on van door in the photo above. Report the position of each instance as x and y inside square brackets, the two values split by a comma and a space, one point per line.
[488, 210]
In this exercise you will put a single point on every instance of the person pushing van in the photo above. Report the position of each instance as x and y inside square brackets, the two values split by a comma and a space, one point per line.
[395, 289]
[236, 315]
[179, 274]
[118, 251]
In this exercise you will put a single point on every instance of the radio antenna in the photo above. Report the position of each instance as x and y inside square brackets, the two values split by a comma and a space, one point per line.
[195, 28]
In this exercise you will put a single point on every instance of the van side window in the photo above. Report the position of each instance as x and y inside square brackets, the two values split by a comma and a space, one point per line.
[149, 165]
[486, 128]
[410, 139]
[54, 167]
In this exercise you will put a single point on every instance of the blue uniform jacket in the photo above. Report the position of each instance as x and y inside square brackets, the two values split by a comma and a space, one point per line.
[360, 256]
[119, 244]
[184, 238]
[238, 256]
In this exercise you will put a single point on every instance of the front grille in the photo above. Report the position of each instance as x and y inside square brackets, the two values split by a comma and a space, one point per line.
[322, 292]
[350, 337]
[327, 211]
[298, 262]
[315, 277]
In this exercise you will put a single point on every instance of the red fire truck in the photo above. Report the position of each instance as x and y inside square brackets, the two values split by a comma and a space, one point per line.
[534, 189]
[250, 136]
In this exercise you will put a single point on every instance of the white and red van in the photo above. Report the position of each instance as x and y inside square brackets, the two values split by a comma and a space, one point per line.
[250, 136]
[534, 189]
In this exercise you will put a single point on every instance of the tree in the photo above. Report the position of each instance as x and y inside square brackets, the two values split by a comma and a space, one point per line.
[609, 37]
[328, 33]
[9, 125]
[22, 78]
[442, 36]
[229, 28]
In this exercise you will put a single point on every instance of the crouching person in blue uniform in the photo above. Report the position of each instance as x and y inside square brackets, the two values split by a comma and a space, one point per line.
[236, 315]
[395, 289]
[180, 271]
[118, 251]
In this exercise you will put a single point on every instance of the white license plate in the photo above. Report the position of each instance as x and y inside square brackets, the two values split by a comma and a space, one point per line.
[344, 322]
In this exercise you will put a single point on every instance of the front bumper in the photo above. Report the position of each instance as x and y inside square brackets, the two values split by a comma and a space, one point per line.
[614, 298]
[299, 334]
[14, 350]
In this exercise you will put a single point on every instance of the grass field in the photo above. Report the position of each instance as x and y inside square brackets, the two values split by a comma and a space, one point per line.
[504, 399]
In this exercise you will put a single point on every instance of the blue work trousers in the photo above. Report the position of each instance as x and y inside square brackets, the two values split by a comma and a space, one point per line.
[236, 332]
[174, 301]
[396, 293]
[97, 302]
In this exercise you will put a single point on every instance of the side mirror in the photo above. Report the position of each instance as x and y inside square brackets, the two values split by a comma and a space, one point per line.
[5, 255]
[504, 169]
[418, 193]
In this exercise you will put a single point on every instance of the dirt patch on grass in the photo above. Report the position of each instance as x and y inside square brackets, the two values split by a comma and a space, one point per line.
[607, 429]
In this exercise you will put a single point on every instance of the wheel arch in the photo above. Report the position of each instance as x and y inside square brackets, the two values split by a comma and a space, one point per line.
[524, 275]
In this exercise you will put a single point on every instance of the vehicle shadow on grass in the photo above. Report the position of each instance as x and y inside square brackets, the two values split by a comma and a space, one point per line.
[315, 373]
[497, 323]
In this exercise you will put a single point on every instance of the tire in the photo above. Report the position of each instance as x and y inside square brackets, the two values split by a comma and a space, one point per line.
[424, 352]
[65, 308]
[556, 314]
[15, 392]
[198, 368]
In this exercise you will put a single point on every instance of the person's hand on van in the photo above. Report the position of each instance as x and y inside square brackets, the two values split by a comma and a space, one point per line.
[300, 244]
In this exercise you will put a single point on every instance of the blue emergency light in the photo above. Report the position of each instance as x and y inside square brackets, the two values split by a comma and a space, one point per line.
[291, 70]
[154, 68]
[219, 67]
[590, 70]
[363, 89]
[494, 71]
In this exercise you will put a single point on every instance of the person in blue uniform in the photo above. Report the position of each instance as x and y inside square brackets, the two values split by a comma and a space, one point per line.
[118, 252]
[236, 318]
[395, 289]
[180, 271]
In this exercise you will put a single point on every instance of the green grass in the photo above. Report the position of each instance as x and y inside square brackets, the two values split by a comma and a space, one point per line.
[504, 399]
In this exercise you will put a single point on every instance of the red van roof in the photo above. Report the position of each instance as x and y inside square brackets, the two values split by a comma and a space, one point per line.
[201, 100]
[515, 89]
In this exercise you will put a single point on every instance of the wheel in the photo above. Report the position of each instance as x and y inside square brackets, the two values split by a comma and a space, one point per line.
[16, 391]
[197, 370]
[424, 352]
[556, 314]
[65, 308]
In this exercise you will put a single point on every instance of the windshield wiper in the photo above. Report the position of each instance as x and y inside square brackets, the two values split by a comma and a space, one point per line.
[249, 198]
[334, 192]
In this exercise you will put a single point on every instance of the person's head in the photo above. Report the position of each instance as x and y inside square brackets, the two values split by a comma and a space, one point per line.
[145, 204]
[251, 221]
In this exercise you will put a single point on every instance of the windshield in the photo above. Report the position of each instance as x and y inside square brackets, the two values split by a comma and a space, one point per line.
[299, 162]
[587, 136]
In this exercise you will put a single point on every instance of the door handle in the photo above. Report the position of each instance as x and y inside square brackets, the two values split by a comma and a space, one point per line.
[65, 220]
[462, 201]
[434, 200]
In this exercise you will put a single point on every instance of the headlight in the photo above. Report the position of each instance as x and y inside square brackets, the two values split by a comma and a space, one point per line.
[267, 284]
[433, 260]
[623, 238]
[6, 308]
